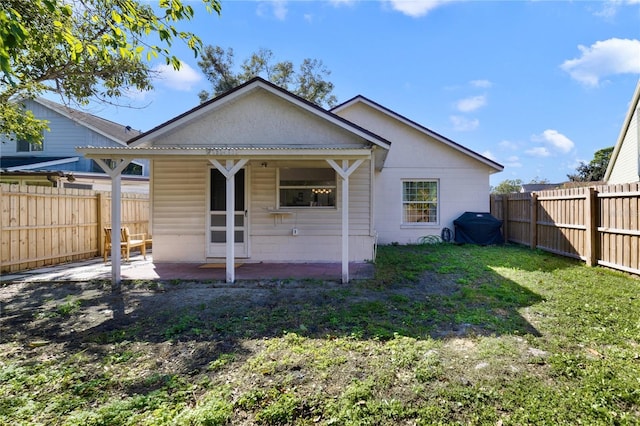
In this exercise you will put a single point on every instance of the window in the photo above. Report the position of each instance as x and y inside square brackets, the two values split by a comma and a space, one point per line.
[420, 202]
[26, 146]
[307, 187]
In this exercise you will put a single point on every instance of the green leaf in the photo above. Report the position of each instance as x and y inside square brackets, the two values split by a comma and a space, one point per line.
[116, 17]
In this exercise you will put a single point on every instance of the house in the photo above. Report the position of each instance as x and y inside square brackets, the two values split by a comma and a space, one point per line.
[624, 164]
[534, 187]
[55, 162]
[298, 183]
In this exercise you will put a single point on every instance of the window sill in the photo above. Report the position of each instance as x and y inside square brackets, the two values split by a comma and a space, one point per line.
[419, 225]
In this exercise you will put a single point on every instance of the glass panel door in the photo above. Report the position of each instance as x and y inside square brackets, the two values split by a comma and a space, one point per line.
[217, 235]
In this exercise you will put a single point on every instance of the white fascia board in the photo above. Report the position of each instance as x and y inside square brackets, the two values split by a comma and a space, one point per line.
[272, 153]
[634, 108]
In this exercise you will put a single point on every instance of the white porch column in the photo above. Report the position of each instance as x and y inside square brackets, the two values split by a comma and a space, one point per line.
[116, 215]
[229, 172]
[345, 171]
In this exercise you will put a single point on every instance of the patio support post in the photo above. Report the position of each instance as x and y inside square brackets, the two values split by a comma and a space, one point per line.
[116, 215]
[345, 171]
[229, 172]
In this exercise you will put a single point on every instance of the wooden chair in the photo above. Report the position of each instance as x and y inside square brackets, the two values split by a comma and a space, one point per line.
[127, 242]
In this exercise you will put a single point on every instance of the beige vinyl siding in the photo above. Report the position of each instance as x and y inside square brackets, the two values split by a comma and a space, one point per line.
[627, 164]
[179, 220]
[319, 229]
[311, 221]
[310, 248]
[179, 207]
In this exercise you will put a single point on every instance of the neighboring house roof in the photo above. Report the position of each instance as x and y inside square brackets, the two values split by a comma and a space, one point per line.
[10, 163]
[494, 165]
[117, 132]
[532, 187]
[635, 104]
[243, 89]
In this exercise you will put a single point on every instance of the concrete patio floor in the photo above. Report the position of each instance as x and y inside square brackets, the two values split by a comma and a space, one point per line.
[140, 269]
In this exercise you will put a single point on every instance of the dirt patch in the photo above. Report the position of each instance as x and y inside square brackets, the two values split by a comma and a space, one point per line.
[187, 325]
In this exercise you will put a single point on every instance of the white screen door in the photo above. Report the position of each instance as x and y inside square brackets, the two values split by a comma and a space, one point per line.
[217, 235]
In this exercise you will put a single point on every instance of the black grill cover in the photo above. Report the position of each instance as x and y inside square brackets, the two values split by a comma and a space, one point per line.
[478, 228]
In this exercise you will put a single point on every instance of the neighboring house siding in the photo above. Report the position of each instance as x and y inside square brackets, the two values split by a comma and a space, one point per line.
[179, 193]
[627, 164]
[263, 119]
[61, 140]
[463, 181]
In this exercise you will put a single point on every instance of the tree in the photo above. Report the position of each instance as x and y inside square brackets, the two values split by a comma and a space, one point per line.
[83, 50]
[308, 82]
[507, 186]
[595, 170]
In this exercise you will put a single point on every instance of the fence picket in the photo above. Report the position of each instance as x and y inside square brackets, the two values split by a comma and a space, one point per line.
[47, 226]
[600, 225]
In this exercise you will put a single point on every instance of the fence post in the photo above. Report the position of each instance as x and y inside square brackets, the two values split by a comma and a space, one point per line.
[100, 221]
[505, 217]
[534, 220]
[591, 222]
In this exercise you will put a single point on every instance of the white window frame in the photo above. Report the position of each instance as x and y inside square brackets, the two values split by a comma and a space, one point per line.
[39, 146]
[333, 188]
[420, 223]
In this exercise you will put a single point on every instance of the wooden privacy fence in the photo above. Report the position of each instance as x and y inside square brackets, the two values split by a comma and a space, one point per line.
[41, 226]
[600, 224]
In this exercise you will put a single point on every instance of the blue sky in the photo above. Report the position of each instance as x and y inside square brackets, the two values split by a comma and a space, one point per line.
[537, 86]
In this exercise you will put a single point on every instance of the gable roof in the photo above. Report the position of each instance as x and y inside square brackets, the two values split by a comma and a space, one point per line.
[251, 85]
[112, 130]
[361, 99]
[635, 104]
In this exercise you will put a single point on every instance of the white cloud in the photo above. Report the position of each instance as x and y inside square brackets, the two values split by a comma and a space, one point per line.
[603, 58]
[483, 84]
[471, 104]
[610, 8]
[417, 8]
[556, 139]
[276, 7]
[509, 145]
[464, 124]
[539, 151]
[513, 161]
[183, 79]
[338, 3]
[137, 95]
[280, 10]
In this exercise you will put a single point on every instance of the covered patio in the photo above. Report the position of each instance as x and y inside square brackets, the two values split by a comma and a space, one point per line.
[140, 269]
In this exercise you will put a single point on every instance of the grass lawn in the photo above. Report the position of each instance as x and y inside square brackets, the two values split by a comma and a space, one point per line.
[444, 334]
